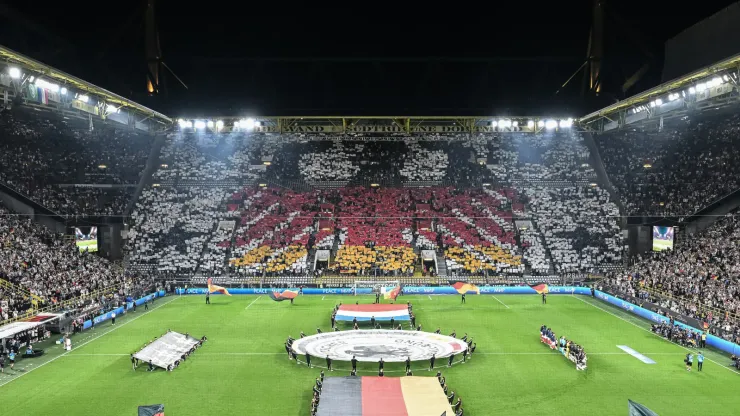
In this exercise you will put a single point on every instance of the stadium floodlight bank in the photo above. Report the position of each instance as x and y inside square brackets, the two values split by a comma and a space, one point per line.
[166, 351]
[376, 286]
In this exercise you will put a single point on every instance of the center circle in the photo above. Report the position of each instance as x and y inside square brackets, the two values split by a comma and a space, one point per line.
[372, 345]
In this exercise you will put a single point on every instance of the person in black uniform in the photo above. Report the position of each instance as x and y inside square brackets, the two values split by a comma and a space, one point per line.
[472, 349]
[381, 364]
[431, 363]
[449, 362]
[451, 397]
[354, 363]
[460, 412]
[319, 384]
[465, 355]
[438, 331]
[355, 326]
[439, 377]
[372, 321]
[544, 298]
[413, 320]
[418, 328]
[453, 334]
[393, 322]
[465, 337]
[354, 372]
[208, 298]
[321, 376]
[318, 330]
[409, 373]
[463, 298]
[146, 306]
[133, 362]
[308, 359]
[328, 363]
[458, 403]
[302, 335]
[333, 319]
[377, 298]
[354, 321]
[287, 349]
[380, 373]
[408, 364]
[151, 366]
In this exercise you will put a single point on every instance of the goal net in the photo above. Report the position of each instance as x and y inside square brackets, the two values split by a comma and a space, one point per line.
[376, 286]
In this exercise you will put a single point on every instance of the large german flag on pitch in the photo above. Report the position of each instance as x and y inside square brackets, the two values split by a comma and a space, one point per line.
[216, 289]
[284, 295]
[540, 288]
[463, 287]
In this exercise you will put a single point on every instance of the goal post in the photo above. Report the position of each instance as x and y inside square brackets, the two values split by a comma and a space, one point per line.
[377, 286]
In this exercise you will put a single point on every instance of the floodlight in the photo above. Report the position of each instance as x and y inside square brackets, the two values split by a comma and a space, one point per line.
[110, 108]
[63, 91]
[189, 124]
[236, 124]
[530, 124]
[494, 123]
[257, 123]
[564, 124]
[248, 123]
[219, 124]
[551, 124]
[31, 78]
[701, 87]
[541, 123]
[83, 98]
[210, 124]
[658, 102]
[515, 124]
[200, 124]
[14, 72]
[692, 90]
[717, 81]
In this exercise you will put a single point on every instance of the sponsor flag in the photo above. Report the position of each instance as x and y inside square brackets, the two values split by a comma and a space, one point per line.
[151, 410]
[463, 287]
[285, 295]
[540, 288]
[216, 289]
[393, 293]
[636, 409]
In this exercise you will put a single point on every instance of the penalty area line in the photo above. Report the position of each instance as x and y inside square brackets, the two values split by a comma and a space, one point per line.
[499, 301]
[91, 340]
[651, 332]
[258, 298]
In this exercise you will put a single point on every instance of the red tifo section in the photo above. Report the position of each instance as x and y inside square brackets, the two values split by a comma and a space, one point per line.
[382, 396]
[375, 307]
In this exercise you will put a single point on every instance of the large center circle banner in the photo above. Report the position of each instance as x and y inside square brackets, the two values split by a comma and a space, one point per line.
[372, 345]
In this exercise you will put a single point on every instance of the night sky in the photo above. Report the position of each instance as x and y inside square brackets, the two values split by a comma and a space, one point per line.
[369, 59]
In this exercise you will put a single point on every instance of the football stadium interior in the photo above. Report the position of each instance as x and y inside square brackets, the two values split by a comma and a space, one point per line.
[370, 265]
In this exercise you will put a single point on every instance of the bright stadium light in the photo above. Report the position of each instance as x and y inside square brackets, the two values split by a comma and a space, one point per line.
[717, 81]
[210, 124]
[31, 78]
[189, 124]
[541, 123]
[200, 124]
[515, 123]
[237, 124]
[257, 123]
[701, 87]
[530, 124]
[219, 124]
[565, 124]
[14, 72]
[83, 98]
[659, 102]
[692, 90]
[551, 124]
[63, 91]
[111, 109]
[248, 123]
[494, 123]
[726, 78]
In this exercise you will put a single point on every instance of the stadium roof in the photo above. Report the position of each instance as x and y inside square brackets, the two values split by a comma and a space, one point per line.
[12, 57]
[662, 89]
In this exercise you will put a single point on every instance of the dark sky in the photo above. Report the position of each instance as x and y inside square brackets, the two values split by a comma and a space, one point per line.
[369, 59]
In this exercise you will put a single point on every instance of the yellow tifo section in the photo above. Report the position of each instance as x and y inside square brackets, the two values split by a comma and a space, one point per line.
[286, 258]
[424, 396]
[354, 259]
[472, 260]
[253, 256]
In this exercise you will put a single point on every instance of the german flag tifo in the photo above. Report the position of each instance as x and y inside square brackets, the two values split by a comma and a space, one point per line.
[463, 287]
[284, 295]
[540, 288]
[387, 396]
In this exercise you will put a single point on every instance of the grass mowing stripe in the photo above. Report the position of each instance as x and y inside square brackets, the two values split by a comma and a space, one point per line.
[651, 332]
[87, 342]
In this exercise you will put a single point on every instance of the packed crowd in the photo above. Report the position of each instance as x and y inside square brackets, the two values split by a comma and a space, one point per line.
[699, 278]
[47, 270]
[678, 171]
[68, 168]
[679, 335]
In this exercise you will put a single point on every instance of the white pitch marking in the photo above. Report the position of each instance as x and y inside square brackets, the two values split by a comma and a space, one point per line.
[87, 342]
[499, 301]
[430, 297]
[651, 332]
[258, 298]
[322, 298]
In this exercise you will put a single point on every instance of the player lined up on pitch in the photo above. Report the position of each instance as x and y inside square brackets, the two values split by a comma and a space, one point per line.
[568, 348]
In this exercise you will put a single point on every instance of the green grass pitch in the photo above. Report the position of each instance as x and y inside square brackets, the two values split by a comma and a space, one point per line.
[243, 368]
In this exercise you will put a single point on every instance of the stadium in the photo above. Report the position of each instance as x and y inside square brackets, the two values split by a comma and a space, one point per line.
[419, 265]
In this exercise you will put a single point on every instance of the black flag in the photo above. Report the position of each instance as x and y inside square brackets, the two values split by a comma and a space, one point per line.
[636, 409]
[151, 410]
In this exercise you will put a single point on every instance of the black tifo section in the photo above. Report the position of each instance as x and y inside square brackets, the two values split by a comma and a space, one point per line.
[341, 396]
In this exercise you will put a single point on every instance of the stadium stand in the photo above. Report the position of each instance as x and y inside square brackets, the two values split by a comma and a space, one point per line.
[678, 171]
[58, 162]
[50, 270]
[698, 278]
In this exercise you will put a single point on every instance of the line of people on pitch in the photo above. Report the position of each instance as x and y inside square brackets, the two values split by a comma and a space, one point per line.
[373, 323]
[183, 357]
[568, 348]
[459, 411]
